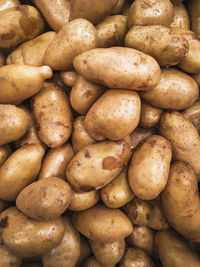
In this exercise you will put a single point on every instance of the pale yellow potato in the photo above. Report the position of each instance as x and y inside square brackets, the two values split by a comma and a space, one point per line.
[181, 18]
[8, 4]
[91, 262]
[193, 114]
[84, 94]
[2, 59]
[168, 50]
[149, 167]
[119, 7]
[5, 152]
[73, 39]
[31, 52]
[80, 137]
[9, 259]
[149, 115]
[27, 237]
[85, 250]
[102, 224]
[19, 170]
[194, 13]
[19, 82]
[19, 24]
[96, 165]
[119, 67]
[117, 193]
[139, 134]
[184, 138]
[68, 77]
[83, 200]
[52, 114]
[176, 90]
[14, 123]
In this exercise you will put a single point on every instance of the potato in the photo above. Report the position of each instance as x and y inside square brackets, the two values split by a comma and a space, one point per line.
[193, 114]
[2, 59]
[135, 257]
[27, 237]
[8, 259]
[85, 250]
[31, 52]
[108, 254]
[19, 170]
[94, 11]
[111, 31]
[184, 138]
[83, 200]
[119, 67]
[19, 24]
[196, 77]
[96, 165]
[91, 262]
[80, 137]
[84, 94]
[102, 224]
[174, 251]
[5, 152]
[69, 77]
[114, 115]
[150, 12]
[117, 193]
[55, 12]
[14, 123]
[142, 237]
[194, 12]
[73, 39]
[181, 18]
[140, 134]
[149, 167]
[119, 7]
[67, 252]
[8, 4]
[52, 114]
[180, 201]
[149, 115]
[168, 50]
[19, 82]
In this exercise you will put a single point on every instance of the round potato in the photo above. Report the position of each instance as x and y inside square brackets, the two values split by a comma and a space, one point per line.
[8, 4]
[149, 115]
[5, 152]
[193, 114]
[69, 77]
[140, 134]
[83, 200]
[194, 12]
[2, 59]
[181, 18]
[9, 259]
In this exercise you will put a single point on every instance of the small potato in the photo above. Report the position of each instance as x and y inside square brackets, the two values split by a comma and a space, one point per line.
[119, 67]
[14, 123]
[85, 250]
[119, 7]
[8, 4]
[2, 59]
[5, 152]
[19, 82]
[52, 114]
[114, 115]
[140, 134]
[96, 165]
[102, 224]
[73, 39]
[27, 237]
[83, 200]
[149, 115]
[181, 18]
[31, 52]
[69, 77]
[117, 193]
[194, 12]
[193, 114]
[8, 259]
[84, 94]
[19, 170]
[19, 24]
[91, 262]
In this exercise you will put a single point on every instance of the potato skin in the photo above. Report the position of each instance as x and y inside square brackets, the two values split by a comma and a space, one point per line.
[149, 115]
[83, 200]
[193, 114]
[68, 77]
[181, 18]
[8, 259]
[8, 4]
[194, 11]
[128, 68]
[5, 152]
[140, 134]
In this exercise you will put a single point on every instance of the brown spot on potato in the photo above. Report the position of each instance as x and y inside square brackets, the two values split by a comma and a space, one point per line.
[4, 222]
[59, 123]
[152, 143]
[9, 35]
[111, 163]
[145, 5]
[87, 154]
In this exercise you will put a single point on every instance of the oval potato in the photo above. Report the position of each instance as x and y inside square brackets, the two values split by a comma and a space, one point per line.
[149, 115]
[83, 200]
[68, 77]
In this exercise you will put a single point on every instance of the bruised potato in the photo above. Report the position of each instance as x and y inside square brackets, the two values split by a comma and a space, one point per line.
[83, 200]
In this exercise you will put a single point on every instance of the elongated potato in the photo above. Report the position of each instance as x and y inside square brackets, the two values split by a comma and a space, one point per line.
[149, 115]
[19, 170]
[8, 4]
[9, 259]
[139, 134]
[128, 68]
[83, 200]
[194, 12]
[2, 59]
[193, 114]
[19, 82]
[181, 18]
[5, 152]
[68, 77]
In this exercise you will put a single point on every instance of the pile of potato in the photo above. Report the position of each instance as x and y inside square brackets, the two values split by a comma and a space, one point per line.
[99, 133]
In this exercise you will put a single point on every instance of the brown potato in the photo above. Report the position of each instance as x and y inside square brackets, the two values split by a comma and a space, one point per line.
[8, 4]
[27, 237]
[119, 67]
[194, 12]
[84, 94]
[196, 77]
[140, 134]
[52, 114]
[19, 82]
[83, 200]
[5, 152]
[114, 115]
[3, 205]
[8, 259]
[149, 115]
[19, 170]
[73, 39]
[181, 18]
[193, 114]
[68, 77]
[2, 59]
[184, 138]
[85, 250]
[19, 24]
[102, 224]
[96, 165]
[91, 262]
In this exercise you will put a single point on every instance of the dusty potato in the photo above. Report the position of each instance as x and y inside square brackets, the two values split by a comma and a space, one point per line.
[19, 170]
[184, 138]
[119, 67]
[102, 224]
[5, 152]
[80, 137]
[194, 12]
[8, 4]
[31, 52]
[14, 123]
[117, 193]
[27, 237]
[149, 115]
[68, 77]
[150, 12]
[83, 200]
[108, 254]
[67, 252]
[174, 251]
[96, 165]
[8, 259]
[91, 262]
[19, 24]
[139, 134]
[181, 18]
[84, 94]
[149, 167]
[52, 114]
[168, 50]
[94, 11]
[114, 115]
[193, 114]
[85, 250]
[73, 39]
[19, 82]
[2, 59]
[119, 7]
